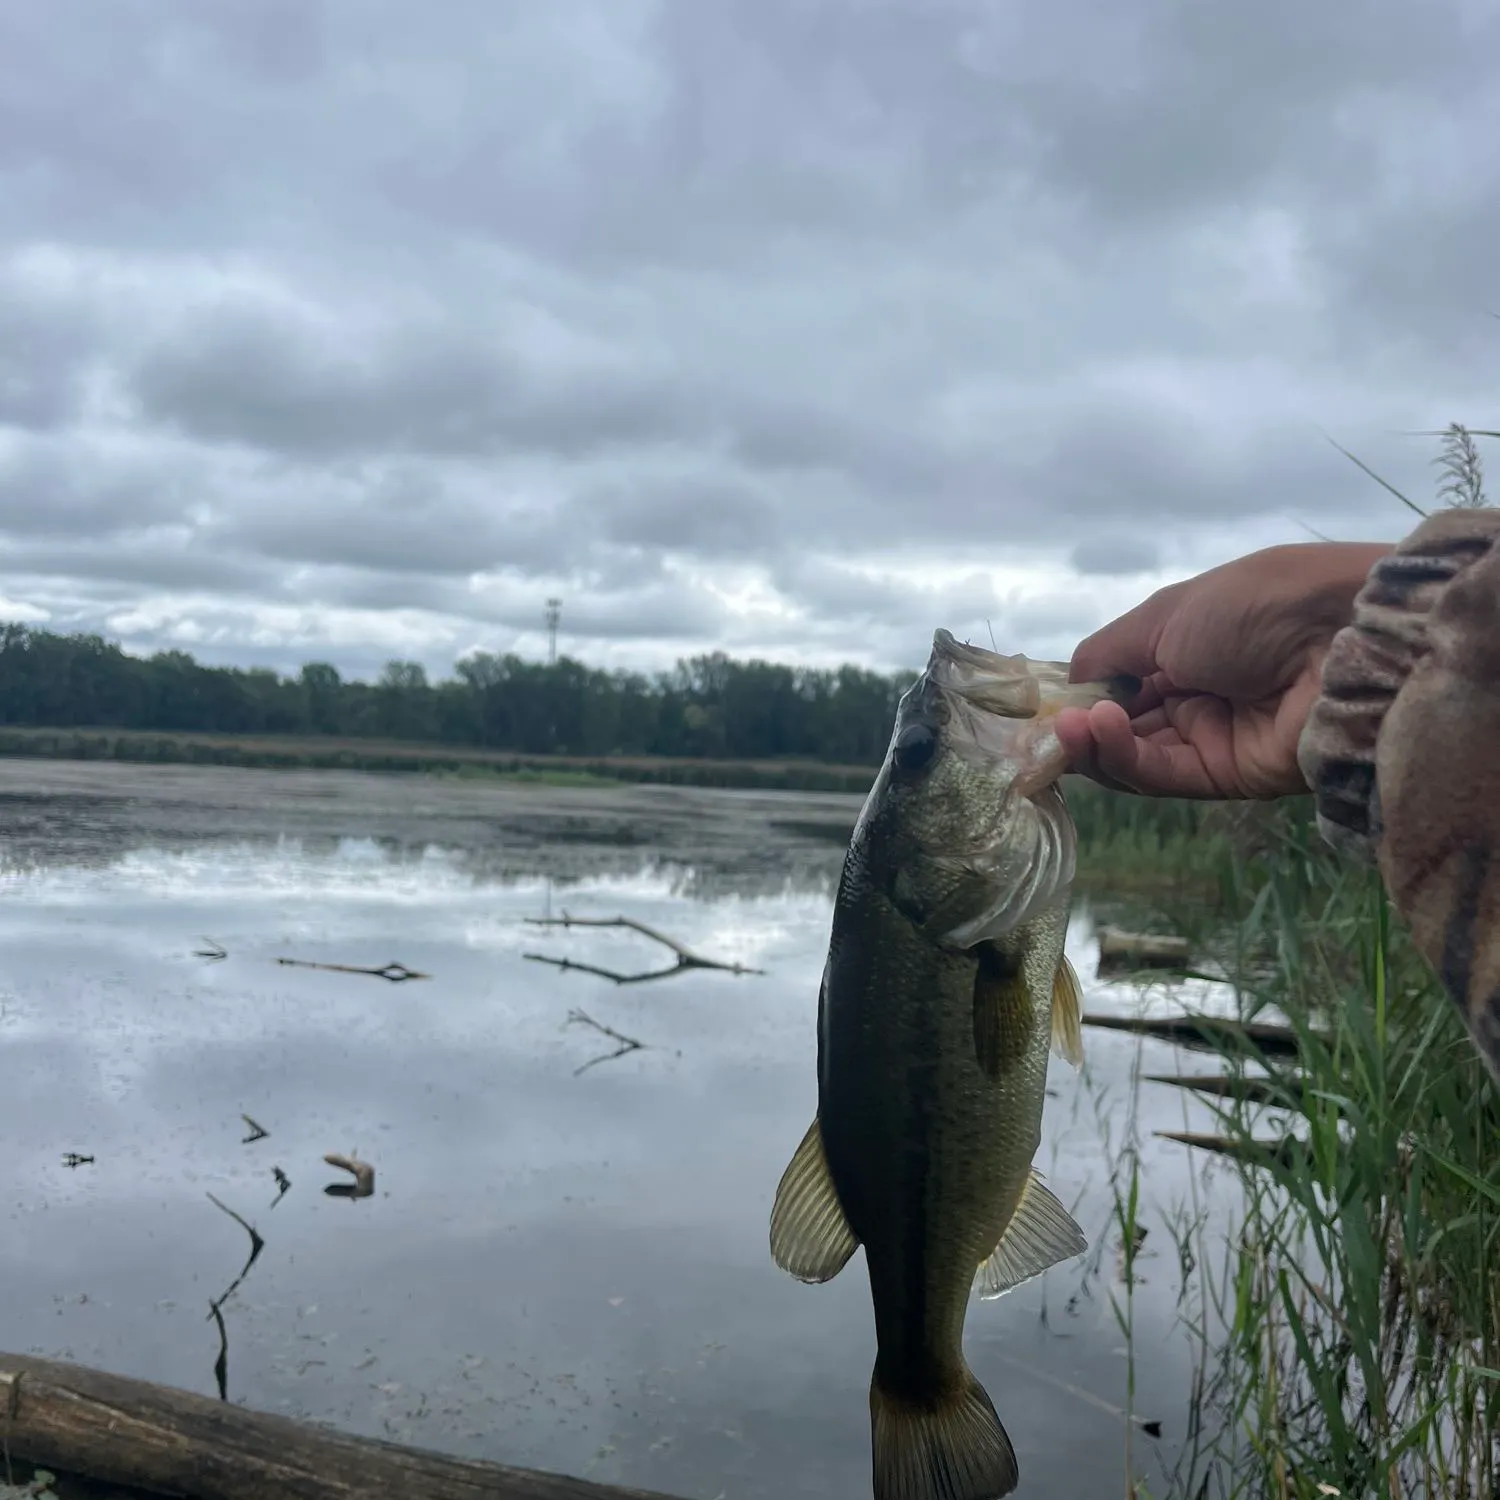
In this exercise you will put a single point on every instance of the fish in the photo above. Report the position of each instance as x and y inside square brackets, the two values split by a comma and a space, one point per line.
[945, 988]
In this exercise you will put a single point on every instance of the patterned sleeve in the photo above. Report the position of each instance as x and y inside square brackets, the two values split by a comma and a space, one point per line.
[1402, 750]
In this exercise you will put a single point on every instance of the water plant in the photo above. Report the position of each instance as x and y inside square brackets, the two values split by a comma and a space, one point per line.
[1346, 1320]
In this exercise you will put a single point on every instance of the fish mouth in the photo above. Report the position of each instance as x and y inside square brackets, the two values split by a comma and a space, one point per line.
[1015, 687]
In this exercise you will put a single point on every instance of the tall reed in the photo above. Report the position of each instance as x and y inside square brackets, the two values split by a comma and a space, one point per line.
[1347, 1320]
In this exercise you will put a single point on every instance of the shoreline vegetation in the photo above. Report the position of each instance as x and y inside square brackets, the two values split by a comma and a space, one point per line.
[326, 752]
[707, 708]
[1345, 1319]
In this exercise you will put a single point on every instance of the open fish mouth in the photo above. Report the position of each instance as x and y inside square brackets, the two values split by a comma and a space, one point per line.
[996, 708]
[1014, 687]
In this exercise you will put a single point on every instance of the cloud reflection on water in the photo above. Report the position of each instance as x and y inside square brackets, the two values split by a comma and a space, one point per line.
[568, 1271]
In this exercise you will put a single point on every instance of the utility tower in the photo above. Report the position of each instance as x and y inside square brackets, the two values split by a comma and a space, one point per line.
[554, 614]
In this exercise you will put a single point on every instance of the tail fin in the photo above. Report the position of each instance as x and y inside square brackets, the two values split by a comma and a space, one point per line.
[955, 1449]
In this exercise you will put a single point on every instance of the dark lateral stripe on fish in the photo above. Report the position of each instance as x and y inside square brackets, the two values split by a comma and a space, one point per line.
[915, 1187]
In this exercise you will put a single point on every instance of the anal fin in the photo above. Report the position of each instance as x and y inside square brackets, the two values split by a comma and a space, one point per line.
[810, 1237]
[1041, 1233]
[1067, 1014]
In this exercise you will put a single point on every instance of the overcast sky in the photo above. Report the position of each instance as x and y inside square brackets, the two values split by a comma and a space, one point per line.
[351, 329]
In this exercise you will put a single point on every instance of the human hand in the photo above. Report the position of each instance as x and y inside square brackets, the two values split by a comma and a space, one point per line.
[1230, 663]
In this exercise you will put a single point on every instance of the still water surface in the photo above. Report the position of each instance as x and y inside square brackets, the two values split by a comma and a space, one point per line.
[559, 1268]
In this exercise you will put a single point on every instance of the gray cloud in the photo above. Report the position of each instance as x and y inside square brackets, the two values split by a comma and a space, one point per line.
[1109, 555]
[359, 330]
[309, 387]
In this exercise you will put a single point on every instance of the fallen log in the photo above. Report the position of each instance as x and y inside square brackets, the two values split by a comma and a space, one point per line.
[1119, 949]
[1289, 1151]
[45, 1483]
[1206, 1033]
[115, 1430]
[1231, 1086]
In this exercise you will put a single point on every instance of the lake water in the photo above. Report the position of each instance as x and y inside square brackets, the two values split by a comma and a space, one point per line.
[559, 1268]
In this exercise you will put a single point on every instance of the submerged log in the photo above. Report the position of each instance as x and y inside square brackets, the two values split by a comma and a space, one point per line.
[115, 1430]
[1289, 1151]
[1206, 1033]
[1119, 949]
[1230, 1086]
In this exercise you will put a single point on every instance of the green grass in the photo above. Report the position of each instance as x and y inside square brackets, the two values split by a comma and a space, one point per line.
[1347, 1323]
[1170, 855]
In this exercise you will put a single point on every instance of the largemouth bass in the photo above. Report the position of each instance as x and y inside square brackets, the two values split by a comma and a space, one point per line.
[944, 989]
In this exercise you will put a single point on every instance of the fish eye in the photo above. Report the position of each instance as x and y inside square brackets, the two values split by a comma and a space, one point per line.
[915, 747]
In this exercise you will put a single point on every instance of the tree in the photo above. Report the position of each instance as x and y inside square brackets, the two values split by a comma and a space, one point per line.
[707, 705]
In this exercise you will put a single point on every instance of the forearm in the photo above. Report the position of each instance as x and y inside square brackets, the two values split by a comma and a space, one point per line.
[1400, 748]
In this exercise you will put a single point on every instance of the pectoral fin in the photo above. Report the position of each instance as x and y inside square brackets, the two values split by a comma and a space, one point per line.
[1067, 1015]
[810, 1237]
[1040, 1234]
[1003, 1012]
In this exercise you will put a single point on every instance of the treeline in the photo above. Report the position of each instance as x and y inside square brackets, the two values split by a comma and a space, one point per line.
[707, 706]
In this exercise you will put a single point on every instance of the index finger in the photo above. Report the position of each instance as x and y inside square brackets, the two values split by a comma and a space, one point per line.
[1124, 645]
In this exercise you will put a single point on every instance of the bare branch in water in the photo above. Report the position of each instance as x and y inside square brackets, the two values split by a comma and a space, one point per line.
[611, 974]
[221, 1364]
[257, 1132]
[256, 1243]
[395, 973]
[626, 1043]
[686, 958]
[1211, 1033]
[1231, 1086]
[1255, 1153]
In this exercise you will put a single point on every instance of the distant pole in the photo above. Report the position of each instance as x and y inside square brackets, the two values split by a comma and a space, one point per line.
[554, 614]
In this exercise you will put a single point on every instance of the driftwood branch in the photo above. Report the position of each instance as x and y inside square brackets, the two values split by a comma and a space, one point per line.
[1210, 1033]
[364, 1176]
[395, 973]
[626, 1043]
[221, 1363]
[1119, 949]
[215, 1308]
[611, 974]
[685, 957]
[1229, 1086]
[114, 1430]
[1288, 1152]
[257, 1244]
